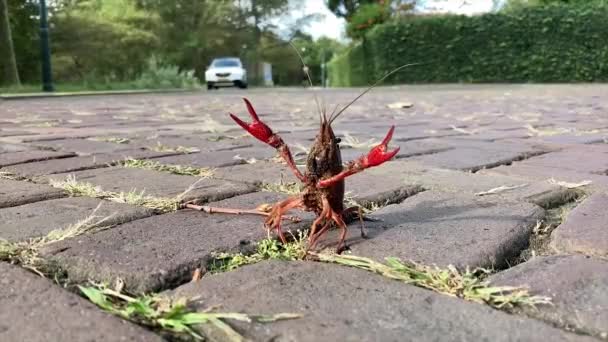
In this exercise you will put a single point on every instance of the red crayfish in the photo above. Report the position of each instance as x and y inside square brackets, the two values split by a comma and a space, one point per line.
[324, 176]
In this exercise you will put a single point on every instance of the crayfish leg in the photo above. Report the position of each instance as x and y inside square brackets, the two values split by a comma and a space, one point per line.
[359, 211]
[273, 221]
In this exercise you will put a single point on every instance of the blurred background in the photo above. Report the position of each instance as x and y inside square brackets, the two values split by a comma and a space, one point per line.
[145, 44]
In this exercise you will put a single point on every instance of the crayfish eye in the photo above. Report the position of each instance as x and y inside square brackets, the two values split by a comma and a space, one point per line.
[338, 140]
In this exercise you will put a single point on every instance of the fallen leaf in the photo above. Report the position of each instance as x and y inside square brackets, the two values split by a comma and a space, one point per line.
[570, 185]
[399, 105]
[500, 189]
[197, 275]
[264, 208]
[119, 285]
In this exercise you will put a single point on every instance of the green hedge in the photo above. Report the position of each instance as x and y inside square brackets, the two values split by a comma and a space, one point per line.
[557, 43]
[348, 68]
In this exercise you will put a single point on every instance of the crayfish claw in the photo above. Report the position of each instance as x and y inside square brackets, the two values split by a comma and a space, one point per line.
[250, 109]
[379, 154]
[257, 128]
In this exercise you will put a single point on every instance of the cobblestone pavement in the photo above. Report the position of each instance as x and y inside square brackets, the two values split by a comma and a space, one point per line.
[508, 177]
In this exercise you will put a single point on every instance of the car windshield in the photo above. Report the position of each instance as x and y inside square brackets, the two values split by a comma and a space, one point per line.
[225, 63]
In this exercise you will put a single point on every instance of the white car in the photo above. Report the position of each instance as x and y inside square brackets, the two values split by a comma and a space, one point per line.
[226, 71]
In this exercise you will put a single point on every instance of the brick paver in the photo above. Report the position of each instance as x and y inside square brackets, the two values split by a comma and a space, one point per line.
[480, 180]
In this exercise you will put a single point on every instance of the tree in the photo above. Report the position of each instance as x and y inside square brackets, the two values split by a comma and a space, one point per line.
[193, 32]
[314, 53]
[346, 8]
[366, 17]
[110, 40]
[258, 11]
[26, 40]
[8, 61]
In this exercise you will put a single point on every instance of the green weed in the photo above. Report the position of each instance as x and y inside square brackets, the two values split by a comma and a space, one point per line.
[468, 285]
[203, 172]
[266, 249]
[175, 316]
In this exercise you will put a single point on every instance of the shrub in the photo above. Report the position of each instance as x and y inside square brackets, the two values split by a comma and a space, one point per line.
[158, 76]
[555, 43]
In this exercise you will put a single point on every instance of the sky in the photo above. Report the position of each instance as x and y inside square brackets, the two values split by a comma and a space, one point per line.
[331, 26]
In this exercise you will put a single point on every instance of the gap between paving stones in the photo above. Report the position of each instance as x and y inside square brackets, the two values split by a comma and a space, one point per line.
[30, 171]
[507, 162]
[14, 158]
[27, 253]
[33, 220]
[555, 214]
[203, 172]
[158, 204]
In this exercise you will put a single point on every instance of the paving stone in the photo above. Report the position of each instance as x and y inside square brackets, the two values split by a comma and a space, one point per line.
[345, 304]
[83, 146]
[585, 229]
[205, 142]
[254, 153]
[543, 193]
[380, 185]
[13, 158]
[162, 251]
[546, 173]
[14, 193]
[574, 139]
[204, 159]
[261, 172]
[5, 133]
[585, 159]
[577, 287]
[52, 166]
[411, 148]
[479, 156]
[40, 218]
[159, 184]
[446, 228]
[479, 133]
[34, 309]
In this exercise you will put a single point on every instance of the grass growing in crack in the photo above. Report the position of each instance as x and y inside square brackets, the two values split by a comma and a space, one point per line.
[114, 140]
[468, 285]
[203, 172]
[158, 204]
[541, 233]
[46, 124]
[174, 316]
[25, 253]
[369, 207]
[76, 188]
[266, 249]
[291, 188]
[179, 149]
[9, 176]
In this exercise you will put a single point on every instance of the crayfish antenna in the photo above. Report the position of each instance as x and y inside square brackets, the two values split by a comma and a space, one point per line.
[322, 116]
[334, 117]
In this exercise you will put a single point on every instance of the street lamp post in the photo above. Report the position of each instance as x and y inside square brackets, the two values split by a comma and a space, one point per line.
[45, 50]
